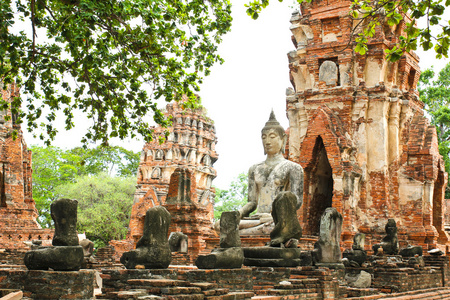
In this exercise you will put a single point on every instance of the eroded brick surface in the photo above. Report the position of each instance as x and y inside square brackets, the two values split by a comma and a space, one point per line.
[358, 129]
[178, 174]
[17, 208]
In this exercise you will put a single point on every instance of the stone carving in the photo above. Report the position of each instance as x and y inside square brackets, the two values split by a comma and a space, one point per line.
[152, 250]
[158, 155]
[327, 249]
[64, 214]
[328, 72]
[435, 252]
[411, 251]
[357, 253]
[358, 241]
[88, 251]
[268, 179]
[230, 254]
[88, 247]
[178, 242]
[282, 250]
[390, 242]
[67, 254]
[287, 226]
[156, 174]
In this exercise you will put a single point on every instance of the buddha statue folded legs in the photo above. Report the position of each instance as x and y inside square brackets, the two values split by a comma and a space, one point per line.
[267, 180]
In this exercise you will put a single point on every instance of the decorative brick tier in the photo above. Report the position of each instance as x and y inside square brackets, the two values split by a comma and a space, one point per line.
[49, 284]
[16, 238]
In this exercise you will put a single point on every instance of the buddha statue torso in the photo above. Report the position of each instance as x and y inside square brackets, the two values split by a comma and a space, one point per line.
[268, 179]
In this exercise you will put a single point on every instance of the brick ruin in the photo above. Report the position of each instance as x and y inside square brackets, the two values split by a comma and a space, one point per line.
[358, 128]
[177, 174]
[17, 208]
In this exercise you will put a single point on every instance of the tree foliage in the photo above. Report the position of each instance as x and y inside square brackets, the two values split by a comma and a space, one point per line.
[368, 14]
[104, 205]
[435, 93]
[108, 59]
[53, 167]
[233, 198]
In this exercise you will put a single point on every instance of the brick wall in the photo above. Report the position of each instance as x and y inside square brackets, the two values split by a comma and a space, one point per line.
[49, 284]
[370, 125]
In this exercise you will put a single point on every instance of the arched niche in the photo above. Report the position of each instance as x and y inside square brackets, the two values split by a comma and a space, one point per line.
[320, 179]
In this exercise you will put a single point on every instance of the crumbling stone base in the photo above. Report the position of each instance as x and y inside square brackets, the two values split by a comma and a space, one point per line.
[180, 284]
[49, 284]
[406, 279]
[232, 279]
[296, 283]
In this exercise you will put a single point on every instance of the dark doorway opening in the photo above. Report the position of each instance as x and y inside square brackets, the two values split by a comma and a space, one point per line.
[321, 186]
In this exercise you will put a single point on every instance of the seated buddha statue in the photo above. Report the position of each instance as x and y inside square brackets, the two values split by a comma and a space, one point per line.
[267, 180]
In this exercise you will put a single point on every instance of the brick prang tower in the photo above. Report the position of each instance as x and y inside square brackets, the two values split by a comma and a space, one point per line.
[358, 129]
[17, 208]
[178, 175]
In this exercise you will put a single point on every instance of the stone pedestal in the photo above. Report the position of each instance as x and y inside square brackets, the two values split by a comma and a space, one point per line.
[67, 254]
[152, 250]
[230, 254]
[272, 257]
[50, 284]
[62, 258]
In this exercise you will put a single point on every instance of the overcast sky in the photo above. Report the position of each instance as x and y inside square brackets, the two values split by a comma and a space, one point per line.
[240, 94]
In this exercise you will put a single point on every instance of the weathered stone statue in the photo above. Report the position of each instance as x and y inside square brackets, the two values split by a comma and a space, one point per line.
[327, 249]
[67, 254]
[390, 242]
[88, 247]
[411, 251]
[152, 250]
[357, 254]
[266, 180]
[230, 254]
[178, 242]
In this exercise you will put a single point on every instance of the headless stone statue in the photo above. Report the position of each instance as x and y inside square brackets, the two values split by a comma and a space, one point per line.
[357, 254]
[66, 254]
[178, 242]
[327, 251]
[152, 249]
[269, 179]
[390, 242]
[230, 254]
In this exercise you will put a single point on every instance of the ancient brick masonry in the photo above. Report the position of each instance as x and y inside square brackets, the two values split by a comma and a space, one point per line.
[178, 174]
[358, 129]
[17, 208]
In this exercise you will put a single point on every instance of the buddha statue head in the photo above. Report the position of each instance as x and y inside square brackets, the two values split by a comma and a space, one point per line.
[273, 136]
